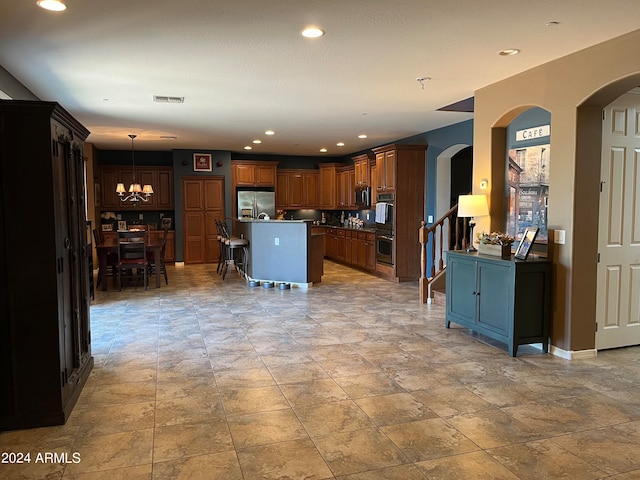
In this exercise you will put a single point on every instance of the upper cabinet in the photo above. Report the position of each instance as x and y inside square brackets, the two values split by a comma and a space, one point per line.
[346, 187]
[253, 174]
[362, 167]
[160, 178]
[329, 185]
[297, 189]
[386, 169]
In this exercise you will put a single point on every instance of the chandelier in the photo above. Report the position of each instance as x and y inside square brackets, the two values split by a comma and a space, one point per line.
[135, 193]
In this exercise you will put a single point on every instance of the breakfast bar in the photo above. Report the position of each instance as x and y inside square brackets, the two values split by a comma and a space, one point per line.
[282, 251]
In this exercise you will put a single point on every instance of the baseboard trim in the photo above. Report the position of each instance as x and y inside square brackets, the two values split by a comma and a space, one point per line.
[179, 264]
[573, 354]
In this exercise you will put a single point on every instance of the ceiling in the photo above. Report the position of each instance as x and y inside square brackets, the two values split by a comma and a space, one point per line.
[243, 67]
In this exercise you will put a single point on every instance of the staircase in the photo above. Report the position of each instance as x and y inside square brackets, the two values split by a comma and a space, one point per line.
[432, 242]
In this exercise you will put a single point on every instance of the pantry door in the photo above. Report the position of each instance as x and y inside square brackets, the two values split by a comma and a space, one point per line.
[202, 203]
[618, 282]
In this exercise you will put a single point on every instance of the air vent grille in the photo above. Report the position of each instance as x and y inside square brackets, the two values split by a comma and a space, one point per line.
[166, 99]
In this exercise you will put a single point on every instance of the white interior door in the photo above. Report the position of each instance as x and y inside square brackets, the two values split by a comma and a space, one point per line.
[618, 283]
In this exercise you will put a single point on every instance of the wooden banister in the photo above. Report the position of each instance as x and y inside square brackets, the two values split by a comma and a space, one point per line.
[432, 239]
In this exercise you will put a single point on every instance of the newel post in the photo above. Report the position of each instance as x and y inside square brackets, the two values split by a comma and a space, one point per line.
[424, 285]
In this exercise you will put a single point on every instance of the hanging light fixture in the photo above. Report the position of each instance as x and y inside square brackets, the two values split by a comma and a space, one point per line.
[136, 193]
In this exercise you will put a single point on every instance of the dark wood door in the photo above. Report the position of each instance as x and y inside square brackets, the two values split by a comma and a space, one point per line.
[203, 203]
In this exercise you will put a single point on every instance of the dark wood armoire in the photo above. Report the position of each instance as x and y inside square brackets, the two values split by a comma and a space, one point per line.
[45, 341]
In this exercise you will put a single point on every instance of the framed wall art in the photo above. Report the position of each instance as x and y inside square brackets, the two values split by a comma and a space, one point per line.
[202, 162]
[526, 243]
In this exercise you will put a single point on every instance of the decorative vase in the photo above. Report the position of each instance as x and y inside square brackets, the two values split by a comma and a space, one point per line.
[503, 251]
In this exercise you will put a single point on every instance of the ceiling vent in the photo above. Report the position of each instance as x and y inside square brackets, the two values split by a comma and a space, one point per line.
[165, 99]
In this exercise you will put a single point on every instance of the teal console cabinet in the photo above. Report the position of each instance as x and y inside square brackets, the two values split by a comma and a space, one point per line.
[507, 300]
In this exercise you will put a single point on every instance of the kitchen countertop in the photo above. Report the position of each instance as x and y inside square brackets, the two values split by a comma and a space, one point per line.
[366, 229]
[271, 220]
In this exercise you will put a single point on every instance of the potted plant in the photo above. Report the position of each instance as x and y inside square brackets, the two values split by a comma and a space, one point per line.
[495, 243]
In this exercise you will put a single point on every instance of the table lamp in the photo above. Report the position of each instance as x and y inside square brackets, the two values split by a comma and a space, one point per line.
[471, 206]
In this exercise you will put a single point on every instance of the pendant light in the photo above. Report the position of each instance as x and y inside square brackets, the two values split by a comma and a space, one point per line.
[136, 193]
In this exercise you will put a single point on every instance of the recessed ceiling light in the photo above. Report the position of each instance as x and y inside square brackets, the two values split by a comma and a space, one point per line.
[507, 52]
[340, 144]
[269, 132]
[248, 147]
[362, 136]
[312, 32]
[323, 150]
[53, 5]
[257, 141]
[167, 99]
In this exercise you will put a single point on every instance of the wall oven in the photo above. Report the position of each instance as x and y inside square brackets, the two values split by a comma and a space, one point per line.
[384, 247]
[385, 207]
[384, 228]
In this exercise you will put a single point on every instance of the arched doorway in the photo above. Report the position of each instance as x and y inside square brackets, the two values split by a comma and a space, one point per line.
[618, 277]
[587, 201]
[449, 180]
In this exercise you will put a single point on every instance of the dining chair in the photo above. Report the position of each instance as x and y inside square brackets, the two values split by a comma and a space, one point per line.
[112, 257]
[132, 253]
[161, 262]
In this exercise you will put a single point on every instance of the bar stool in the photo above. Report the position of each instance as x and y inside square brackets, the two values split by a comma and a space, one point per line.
[236, 255]
[234, 251]
[221, 245]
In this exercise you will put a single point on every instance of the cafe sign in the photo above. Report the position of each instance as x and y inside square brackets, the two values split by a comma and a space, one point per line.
[533, 133]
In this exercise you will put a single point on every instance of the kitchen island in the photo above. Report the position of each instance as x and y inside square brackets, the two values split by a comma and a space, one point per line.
[282, 251]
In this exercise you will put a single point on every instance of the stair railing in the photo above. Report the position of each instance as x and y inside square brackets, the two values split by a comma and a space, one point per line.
[432, 241]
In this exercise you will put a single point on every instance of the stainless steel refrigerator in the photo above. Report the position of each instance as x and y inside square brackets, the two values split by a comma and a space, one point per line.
[252, 203]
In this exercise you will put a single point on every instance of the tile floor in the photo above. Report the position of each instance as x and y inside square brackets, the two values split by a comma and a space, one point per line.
[352, 379]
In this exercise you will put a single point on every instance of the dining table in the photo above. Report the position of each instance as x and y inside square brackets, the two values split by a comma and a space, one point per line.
[111, 246]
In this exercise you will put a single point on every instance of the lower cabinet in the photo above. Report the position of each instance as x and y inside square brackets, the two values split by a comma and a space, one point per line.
[352, 247]
[507, 300]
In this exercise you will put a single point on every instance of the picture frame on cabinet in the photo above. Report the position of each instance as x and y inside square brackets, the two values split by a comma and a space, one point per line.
[107, 227]
[122, 225]
[526, 243]
[202, 162]
[166, 223]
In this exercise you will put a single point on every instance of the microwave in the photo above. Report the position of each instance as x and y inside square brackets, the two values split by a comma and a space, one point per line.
[363, 196]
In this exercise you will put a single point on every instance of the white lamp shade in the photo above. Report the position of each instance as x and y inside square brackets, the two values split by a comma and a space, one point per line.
[120, 188]
[148, 189]
[473, 206]
[135, 188]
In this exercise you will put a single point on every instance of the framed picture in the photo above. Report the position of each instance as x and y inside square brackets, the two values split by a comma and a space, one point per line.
[107, 227]
[201, 162]
[166, 223]
[122, 225]
[526, 243]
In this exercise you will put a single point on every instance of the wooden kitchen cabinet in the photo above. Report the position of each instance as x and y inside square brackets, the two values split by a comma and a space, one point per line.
[331, 243]
[362, 170]
[346, 188]
[507, 300]
[386, 170]
[297, 189]
[401, 170]
[160, 178]
[253, 174]
[328, 185]
[351, 246]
